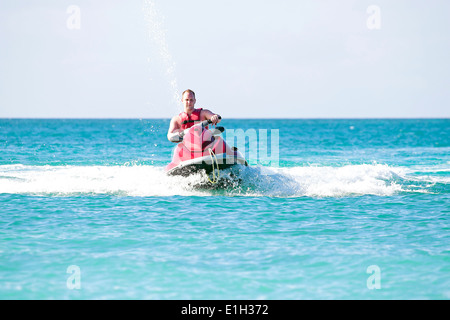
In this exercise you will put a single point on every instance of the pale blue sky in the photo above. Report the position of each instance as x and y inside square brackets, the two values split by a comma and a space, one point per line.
[244, 59]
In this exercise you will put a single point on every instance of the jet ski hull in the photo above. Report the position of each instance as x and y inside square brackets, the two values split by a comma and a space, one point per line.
[202, 151]
[206, 164]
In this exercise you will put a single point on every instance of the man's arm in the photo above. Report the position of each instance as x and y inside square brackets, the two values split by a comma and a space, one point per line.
[208, 115]
[174, 129]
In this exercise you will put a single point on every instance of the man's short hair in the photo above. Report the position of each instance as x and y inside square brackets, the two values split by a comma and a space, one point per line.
[188, 90]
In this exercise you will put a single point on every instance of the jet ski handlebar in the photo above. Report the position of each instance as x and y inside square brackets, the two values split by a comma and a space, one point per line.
[178, 136]
[203, 123]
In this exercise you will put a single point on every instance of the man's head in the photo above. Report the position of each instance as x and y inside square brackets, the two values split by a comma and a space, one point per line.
[188, 99]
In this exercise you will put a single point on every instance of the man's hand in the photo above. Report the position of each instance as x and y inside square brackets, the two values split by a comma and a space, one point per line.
[215, 119]
[175, 137]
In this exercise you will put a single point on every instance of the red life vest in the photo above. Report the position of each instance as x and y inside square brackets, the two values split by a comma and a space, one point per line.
[195, 116]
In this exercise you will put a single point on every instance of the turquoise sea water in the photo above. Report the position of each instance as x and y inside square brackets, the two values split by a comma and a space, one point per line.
[348, 197]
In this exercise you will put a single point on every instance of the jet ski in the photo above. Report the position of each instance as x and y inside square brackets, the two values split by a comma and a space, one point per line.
[202, 149]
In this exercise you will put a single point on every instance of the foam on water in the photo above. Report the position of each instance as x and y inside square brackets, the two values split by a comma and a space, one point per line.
[144, 180]
[70, 180]
[315, 181]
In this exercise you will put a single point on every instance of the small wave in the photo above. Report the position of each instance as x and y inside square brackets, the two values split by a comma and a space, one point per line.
[323, 181]
[70, 180]
[145, 180]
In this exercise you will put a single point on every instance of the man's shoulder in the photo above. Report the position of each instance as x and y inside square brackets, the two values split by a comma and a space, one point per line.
[176, 121]
[206, 111]
[202, 114]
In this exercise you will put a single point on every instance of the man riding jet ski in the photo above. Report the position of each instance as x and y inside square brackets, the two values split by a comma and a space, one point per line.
[199, 148]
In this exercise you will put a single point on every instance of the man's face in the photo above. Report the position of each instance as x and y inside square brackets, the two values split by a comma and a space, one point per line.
[188, 100]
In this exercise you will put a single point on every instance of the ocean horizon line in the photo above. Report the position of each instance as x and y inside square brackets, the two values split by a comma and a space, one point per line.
[233, 118]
